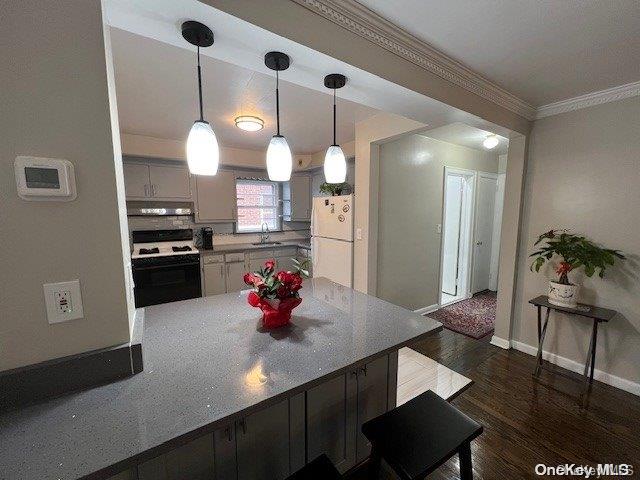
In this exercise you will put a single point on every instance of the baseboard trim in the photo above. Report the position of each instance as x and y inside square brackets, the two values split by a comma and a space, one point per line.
[429, 309]
[500, 342]
[564, 362]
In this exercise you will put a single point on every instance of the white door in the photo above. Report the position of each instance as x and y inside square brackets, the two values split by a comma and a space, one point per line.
[452, 230]
[485, 202]
[333, 217]
[497, 229]
[332, 259]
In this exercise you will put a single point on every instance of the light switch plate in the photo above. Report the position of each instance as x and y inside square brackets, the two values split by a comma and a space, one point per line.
[63, 301]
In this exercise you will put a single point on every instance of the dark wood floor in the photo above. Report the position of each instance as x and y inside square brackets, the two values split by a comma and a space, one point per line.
[527, 422]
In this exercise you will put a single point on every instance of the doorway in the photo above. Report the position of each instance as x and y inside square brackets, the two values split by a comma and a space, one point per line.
[457, 234]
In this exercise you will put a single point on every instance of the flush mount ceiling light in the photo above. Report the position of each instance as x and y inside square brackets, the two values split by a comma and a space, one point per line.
[491, 142]
[249, 123]
[335, 165]
[203, 153]
[279, 162]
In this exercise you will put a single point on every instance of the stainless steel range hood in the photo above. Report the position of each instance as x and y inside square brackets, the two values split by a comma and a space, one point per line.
[149, 209]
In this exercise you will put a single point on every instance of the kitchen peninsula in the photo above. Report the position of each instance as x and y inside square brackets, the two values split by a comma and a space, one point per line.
[222, 398]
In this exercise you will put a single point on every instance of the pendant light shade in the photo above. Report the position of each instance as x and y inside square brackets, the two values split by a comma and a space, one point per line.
[203, 152]
[335, 164]
[279, 162]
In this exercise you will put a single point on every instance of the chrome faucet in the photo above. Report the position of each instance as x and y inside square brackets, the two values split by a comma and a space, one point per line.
[264, 232]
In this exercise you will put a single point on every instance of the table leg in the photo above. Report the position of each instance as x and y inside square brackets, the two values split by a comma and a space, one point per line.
[539, 322]
[593, 350]
[541, 342]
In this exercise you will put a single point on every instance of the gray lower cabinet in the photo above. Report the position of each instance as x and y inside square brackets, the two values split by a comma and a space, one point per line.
[214, 275]
[372, 400]
[193, 461]
[235, 276]
[224, 453]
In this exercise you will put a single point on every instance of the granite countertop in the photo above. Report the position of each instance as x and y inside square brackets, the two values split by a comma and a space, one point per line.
[197, 358]
[243, 247]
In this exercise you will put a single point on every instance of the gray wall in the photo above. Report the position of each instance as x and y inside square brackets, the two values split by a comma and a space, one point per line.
[410, 207]
[583, 173]
[55, 104]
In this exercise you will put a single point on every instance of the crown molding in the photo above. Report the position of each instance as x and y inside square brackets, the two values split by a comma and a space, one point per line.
[589, 100]
[358, 19]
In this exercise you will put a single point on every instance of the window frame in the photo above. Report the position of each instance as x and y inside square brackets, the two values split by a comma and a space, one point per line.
[276, 206]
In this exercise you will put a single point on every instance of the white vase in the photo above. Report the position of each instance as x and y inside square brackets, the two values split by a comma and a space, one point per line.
[563, 295]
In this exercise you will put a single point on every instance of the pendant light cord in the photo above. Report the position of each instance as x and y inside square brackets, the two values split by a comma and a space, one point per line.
[200, 86]
[277, 103]
[334, 116]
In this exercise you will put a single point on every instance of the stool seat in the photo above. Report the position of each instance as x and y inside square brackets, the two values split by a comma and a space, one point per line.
[319, 469]
[419, 436]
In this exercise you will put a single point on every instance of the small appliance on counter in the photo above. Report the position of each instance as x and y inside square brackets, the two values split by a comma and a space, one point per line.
[207, 238]
[166, 266]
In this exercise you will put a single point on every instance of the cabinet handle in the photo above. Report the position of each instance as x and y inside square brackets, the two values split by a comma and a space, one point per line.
[146, 190]
[228, 432]
[354, 373]
[243, 425]
[153, 189]
[221, 270]
[364, 370]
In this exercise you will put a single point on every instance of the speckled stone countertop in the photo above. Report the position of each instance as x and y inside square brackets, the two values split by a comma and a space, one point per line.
[244, 247]
[198, 355]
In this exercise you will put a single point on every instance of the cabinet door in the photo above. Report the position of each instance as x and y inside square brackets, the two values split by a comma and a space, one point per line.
[285, 263]
[214, 279]
[372, 399]
[193, 461]
[224, 454]
[170, 182]
[263, 444]
[331, 420]
[216, 197]
[300, 197]
[136, 180]
[235, 276]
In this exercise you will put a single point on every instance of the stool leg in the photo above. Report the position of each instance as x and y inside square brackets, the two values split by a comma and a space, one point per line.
[373, 469]
[466, 470]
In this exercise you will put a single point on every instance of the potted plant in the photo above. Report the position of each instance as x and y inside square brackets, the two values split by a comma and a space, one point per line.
[574, 251]
[334, 189]
[276, 294]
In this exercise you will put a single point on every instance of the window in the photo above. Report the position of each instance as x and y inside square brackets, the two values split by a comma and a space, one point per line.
[257, 204]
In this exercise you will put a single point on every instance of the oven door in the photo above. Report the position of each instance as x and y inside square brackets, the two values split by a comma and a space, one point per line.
[166, 279]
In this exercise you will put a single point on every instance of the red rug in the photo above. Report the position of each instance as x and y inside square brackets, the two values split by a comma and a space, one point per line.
[474, 317]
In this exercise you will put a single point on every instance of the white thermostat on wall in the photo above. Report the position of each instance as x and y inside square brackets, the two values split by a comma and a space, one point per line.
[51, 179]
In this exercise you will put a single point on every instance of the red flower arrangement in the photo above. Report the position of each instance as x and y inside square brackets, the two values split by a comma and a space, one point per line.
[276, 294]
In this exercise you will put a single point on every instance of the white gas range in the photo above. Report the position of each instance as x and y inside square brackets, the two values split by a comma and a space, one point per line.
[166, 266]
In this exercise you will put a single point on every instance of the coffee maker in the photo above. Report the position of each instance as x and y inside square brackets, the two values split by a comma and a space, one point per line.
[207, 238]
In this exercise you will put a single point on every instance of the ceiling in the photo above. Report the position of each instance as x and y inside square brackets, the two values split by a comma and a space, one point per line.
[541, 51]
[156, 89]
[467, 136]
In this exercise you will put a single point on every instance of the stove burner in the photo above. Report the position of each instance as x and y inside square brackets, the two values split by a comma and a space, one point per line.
[186, 248]
[148, 251]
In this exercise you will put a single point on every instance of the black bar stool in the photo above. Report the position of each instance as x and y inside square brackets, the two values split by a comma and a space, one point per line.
[319, 469]
[419, 436]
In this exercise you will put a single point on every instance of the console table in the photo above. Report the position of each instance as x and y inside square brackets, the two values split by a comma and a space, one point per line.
[596, 314]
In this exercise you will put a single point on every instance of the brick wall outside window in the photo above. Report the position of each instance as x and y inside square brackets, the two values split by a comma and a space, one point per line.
[257, 204]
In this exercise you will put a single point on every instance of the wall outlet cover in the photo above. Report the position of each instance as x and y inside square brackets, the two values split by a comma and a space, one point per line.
[63, 301]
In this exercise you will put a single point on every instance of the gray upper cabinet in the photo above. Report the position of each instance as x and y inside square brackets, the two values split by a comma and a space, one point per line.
[296, 197]
[149, 181]
[215, 199]
[170, 182]
[136, 181]
[263, 444]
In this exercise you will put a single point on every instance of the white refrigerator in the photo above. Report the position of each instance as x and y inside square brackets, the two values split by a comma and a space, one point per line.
[332, 238]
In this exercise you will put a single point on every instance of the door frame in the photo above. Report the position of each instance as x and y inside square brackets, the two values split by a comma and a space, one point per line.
[493, 176]
[468, 225]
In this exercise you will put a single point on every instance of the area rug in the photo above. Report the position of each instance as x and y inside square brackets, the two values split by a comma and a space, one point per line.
[474, 317]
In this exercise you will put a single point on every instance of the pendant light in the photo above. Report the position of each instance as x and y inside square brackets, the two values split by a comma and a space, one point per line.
[279, 162]
[203, 153]
[491, 142]
[335, 165]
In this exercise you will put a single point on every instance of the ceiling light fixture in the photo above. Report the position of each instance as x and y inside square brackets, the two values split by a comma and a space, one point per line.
[335, 165]
[203, 153]
[491, 142]
[249, 123]
[279, 162]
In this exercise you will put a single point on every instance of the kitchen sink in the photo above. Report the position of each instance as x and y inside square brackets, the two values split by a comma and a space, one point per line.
[267, 243]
